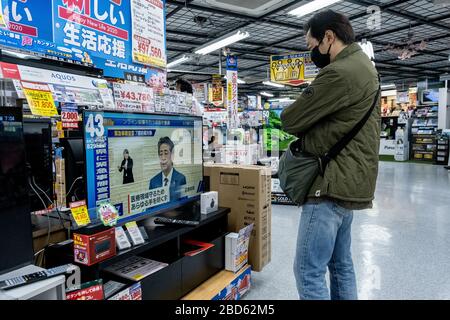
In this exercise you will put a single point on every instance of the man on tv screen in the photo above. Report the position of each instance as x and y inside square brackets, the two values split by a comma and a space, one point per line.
[168, 176]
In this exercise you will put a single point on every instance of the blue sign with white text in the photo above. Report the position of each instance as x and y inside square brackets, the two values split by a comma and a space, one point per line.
[92, 32]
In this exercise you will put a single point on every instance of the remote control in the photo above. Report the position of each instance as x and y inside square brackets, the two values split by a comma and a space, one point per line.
[34, 277]
[176, 221]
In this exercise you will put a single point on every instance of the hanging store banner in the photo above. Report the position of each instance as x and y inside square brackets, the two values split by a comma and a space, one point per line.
[232, 92]
[216, 90]
[40, 99]
[129, 97]
[90, 32]
[148, 25]
[292, 69]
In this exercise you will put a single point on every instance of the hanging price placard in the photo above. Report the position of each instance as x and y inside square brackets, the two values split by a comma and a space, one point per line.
[133, 97]
[40, 99]
[80, 213]
[149, 45]
[69, 116]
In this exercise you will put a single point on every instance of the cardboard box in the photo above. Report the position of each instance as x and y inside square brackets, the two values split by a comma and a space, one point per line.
[91, 248]
[225, 285]
[247, 191]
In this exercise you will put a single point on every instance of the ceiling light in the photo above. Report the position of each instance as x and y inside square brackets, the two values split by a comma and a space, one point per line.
[282, 100]
[388, 86]
[266, 94]
[18, 54]
[220, 43]
[172, 64]
[367, 48]
[273, 84]
[311, 7]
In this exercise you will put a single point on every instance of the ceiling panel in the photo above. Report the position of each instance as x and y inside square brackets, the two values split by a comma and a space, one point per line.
[279, 33]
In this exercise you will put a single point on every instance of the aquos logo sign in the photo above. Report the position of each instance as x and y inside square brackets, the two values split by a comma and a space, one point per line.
[65, 78]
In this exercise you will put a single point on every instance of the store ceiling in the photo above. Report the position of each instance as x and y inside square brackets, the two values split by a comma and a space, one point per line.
[191, 24]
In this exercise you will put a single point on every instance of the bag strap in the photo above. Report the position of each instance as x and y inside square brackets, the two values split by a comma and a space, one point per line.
[341, 144]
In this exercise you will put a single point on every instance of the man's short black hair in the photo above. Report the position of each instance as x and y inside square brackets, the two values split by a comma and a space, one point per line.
[330, 20]
[185, 86]
[165, 140]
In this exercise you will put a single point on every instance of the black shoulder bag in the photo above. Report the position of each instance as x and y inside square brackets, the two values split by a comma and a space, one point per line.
[299, 169]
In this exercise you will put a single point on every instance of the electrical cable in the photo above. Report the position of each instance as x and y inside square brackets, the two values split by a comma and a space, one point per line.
[73, 183]
[52, 202]
[45, 207]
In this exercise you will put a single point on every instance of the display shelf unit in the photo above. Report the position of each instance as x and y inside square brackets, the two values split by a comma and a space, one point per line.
[165, 244]
[442, 150]
[423, 133]
[423, 147]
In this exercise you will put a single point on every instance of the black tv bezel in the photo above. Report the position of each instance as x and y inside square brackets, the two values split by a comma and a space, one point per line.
[49, 122]
[156, 212]
[18, 112]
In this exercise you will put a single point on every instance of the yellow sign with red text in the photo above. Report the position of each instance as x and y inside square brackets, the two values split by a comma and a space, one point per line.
[80, 213]
[40, 99]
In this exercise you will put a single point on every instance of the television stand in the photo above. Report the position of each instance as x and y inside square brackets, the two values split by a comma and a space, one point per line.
[165, 244]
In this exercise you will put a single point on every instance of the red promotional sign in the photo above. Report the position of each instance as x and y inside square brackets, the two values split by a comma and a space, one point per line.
[94, 292]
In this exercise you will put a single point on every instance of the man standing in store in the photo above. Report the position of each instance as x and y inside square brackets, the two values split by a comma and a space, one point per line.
[340, 96]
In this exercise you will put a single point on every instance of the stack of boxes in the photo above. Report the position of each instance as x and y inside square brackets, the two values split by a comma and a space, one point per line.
[246, 190]
[60, 183]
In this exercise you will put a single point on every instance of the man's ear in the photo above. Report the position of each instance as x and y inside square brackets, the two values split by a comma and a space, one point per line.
[330, 36]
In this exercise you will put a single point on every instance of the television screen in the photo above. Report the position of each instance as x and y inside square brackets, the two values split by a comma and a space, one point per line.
[142, 163]
[430, 97]
[16, 242]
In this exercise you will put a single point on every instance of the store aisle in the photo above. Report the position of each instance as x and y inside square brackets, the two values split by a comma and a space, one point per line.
[401, 248]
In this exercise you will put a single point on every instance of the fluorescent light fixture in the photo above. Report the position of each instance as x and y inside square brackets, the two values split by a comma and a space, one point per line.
[222, 42]
[273, 84]
[388, 86]
[18, 54]
[367, 48]
[266, 94]
[311, 7]
[282, 100]
[172, 64]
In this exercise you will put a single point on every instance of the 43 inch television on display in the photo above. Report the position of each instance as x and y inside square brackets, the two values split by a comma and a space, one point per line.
[142, 164]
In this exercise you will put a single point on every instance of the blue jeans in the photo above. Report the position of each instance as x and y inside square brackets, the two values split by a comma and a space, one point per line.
[324, 240]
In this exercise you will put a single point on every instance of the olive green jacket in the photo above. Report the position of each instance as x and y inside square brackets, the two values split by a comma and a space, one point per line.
[331, 106]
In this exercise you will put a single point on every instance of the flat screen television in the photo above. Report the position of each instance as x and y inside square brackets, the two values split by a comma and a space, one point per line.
[142, 164]
[16, 242]
[430, 97]
[38, 146]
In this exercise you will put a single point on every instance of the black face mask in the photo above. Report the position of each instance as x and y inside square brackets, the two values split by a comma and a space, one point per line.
[319, 59]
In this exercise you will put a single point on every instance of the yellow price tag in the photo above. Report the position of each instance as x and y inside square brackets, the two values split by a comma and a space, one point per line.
[41, 102]
[80, 213]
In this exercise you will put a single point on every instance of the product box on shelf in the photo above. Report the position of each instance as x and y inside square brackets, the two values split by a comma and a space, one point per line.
[94, 245]
[236, 248]
[247, 191]
[209, 202]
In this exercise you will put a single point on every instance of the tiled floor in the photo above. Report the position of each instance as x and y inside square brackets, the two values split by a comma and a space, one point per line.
[401, 248]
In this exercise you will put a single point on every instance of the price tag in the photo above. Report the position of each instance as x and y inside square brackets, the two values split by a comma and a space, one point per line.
[40, 99]
[69, 116]
[132, 97]
[80, 213]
